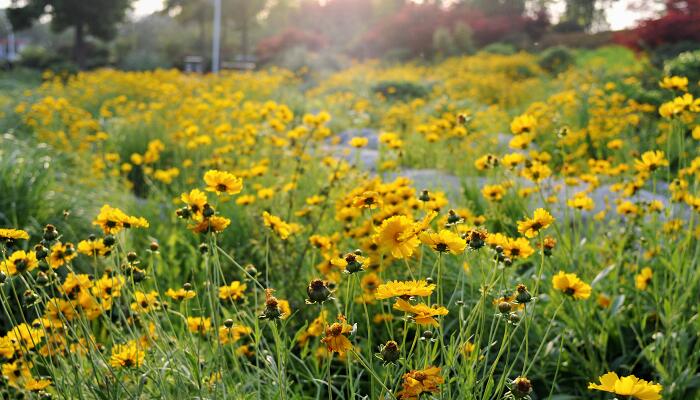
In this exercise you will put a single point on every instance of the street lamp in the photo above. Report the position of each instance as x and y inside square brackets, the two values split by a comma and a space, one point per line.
[216, 38]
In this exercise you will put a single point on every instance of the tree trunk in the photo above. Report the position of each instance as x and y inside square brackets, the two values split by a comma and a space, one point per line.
[79, 46]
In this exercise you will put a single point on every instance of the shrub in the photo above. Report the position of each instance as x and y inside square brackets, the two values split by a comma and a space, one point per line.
[686, 64]
[504, 49]
[556, 59]
[400, 90]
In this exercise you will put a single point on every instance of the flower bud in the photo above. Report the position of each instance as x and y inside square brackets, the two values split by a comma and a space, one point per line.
[390, 352]
[318, 292]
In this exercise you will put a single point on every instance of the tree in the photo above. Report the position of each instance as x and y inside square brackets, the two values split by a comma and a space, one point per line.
[98, 18]
[192, 11]
[243, 13]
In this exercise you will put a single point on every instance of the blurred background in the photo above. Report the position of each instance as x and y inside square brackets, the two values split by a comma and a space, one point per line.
[325, 35]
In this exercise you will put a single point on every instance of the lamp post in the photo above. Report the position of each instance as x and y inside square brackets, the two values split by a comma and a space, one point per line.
[216, 38]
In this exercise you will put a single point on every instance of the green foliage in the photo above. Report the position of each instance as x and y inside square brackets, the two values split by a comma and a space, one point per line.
[556, 59]
[499, 48]
[687, 64]
[400, 90]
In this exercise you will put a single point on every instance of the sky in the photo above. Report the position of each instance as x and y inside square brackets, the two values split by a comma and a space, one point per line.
[618, 14]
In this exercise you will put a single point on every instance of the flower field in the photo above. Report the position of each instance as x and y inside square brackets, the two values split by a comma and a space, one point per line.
[477, 228]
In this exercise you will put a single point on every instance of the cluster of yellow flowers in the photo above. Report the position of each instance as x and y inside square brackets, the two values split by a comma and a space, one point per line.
[547, 196]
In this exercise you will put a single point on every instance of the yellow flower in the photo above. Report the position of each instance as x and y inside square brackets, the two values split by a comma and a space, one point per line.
[112, 220]
[643, 279]
[283, 229]
[60, 254]
[359, 142]
[94, 248]
[145, 302]
[627, 386]
[127, 355]
[444, 241]
[404, 289]
[627, 208]
[368, 199]
[235, 291]
[214, 224]
[581, 201]
[523, 124]
[233, 334]
[222, 182]
[195, 200]
[531, 227]
[675, 83]
[10, 235]
[397, 235]
[571, 285]
[417, 382]
[493, 192]
[422, 313]
[335, 338]
[19, 262]
[180, 294]
[650, 161]
[198, 324]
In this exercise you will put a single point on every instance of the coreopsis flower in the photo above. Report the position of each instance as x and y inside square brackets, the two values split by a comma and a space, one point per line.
[234, 291]
[323, 243]
[422, 313]
[145, 302]
[195, 200]
[531, 227]
[581, 201]
[281, 228]
[108, 286]
[536, 172]
[674, 83]
[213, 224]
[75, 283]
[222, 182]
[417, 382]
[511, 248]
[523, 124]
[571, 285]
[359, 142]
[487, 161]
[335, 338]
[493, 192]
[444, 241]
[404, 290]
[25, 337]
[20, 261]
[651, 161]
[643, 279]
[113, 220]
[94, 247]
[127, 355]
[318, 292]
[61, 253]
[198, 324]
[397, 235]
[627, 208]
[183, 293]
[229, 333]
[8, 235]
[627, 386]
[368, 199]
